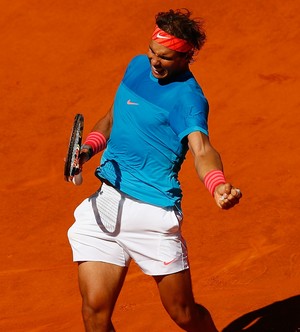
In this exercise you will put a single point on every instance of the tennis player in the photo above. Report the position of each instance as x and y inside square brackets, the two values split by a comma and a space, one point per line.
[159, 113]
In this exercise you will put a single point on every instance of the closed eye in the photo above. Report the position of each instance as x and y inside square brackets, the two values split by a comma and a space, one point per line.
[163, 57]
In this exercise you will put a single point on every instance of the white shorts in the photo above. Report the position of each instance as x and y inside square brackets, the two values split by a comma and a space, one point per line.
[113, 227]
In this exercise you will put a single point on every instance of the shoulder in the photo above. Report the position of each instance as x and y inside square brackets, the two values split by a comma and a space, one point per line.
[136, 70]
[192, 88]
[139, 60]
[191, 95]
[191, 108]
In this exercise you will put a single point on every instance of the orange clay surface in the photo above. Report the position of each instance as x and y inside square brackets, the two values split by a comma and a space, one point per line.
[59, 58]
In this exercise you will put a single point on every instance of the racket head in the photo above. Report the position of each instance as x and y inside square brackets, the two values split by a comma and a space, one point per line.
[72, 158]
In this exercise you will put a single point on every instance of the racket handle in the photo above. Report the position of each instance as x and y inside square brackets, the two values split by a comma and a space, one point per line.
[77, 179]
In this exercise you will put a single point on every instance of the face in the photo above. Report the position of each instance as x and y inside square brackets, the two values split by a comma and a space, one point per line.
[165, 63]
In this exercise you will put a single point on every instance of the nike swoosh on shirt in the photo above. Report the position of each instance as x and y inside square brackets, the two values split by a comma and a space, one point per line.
[170, 262]
[129, 102]
[161, 37]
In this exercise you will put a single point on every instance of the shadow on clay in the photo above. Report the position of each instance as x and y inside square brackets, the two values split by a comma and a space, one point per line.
[281, 316]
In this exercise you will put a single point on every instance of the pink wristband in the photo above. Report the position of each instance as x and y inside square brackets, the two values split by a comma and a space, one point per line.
[96, 140]
[212, 179]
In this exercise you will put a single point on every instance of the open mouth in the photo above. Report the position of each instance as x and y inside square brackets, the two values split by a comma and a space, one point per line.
[158, 72]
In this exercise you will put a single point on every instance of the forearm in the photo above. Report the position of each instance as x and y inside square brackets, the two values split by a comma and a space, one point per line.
[209, 168]
[207, 161]
[206, 157]
[97, 138]
[104, 125]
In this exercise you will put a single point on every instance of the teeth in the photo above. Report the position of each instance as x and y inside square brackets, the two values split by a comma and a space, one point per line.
[155, 70]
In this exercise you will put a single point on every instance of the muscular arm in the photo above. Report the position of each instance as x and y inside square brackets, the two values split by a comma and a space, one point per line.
[207, 159]
[104, 125]
[205, 156]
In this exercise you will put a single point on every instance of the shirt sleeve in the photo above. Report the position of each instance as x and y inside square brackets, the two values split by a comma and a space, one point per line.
[190, 118]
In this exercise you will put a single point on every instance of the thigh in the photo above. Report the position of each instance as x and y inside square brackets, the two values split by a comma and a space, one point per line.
[95, 232]
[152, 237]
[176, 290]
[100, 284]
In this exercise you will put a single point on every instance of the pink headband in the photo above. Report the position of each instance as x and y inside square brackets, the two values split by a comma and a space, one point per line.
[171, 42]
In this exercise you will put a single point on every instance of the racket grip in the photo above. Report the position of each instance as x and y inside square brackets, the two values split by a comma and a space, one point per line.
[77, 179]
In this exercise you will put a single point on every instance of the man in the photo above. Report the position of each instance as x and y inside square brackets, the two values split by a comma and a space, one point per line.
[159, 112]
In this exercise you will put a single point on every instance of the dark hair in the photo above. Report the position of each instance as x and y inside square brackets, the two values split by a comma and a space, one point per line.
[179, 24]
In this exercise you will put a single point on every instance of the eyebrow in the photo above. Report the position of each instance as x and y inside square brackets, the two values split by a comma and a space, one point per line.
[161, 56]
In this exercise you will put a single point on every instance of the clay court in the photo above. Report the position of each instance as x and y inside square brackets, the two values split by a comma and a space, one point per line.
[59, 58]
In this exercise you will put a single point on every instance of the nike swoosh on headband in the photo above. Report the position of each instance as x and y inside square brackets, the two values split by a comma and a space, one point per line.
[161, 37]
[170, 41]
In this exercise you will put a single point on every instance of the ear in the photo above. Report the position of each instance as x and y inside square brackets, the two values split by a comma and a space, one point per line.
[189, 55]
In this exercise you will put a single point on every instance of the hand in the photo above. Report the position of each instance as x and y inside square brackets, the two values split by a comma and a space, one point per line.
[84, 156]
[77, 178]
[227, 196]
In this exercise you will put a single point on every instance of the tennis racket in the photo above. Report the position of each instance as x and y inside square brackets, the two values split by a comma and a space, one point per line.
[72, 172]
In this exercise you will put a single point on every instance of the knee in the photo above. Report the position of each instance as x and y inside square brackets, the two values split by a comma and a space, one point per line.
[91, 305]
[93, 311]
[190, 316]
[89, 310]
[181, 315]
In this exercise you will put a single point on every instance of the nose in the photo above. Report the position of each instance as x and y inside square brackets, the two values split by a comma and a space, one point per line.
[155, 60]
